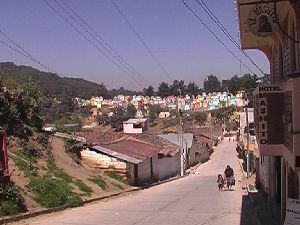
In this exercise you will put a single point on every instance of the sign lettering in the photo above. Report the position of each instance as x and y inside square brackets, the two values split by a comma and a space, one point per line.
[262, 20]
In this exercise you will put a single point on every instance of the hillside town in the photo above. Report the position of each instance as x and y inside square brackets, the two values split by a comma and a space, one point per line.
[155, 113]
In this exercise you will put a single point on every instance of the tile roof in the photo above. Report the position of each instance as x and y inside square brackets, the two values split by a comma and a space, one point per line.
[138, 146]
[135, 149]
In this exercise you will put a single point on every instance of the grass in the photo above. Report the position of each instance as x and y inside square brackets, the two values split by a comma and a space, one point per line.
[116, 176]
[51, 190]
[51, 193]
[26, 167]
[83, 187]
[59, 173]
[99, 181]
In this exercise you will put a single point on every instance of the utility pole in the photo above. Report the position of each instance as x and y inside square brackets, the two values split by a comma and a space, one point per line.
[181, 144]
[181, 138]
[248, 137]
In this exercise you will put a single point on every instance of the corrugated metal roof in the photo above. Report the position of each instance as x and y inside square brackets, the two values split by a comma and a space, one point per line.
[175, 138]
[116, 154]
[136, 120]
[135, 149]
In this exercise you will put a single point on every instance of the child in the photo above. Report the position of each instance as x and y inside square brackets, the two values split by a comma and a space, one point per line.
[220, 182]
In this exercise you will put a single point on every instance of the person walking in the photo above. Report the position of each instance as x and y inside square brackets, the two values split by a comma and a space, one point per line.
[229, 176]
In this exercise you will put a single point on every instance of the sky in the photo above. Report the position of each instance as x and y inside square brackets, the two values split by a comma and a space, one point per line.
[180, 43]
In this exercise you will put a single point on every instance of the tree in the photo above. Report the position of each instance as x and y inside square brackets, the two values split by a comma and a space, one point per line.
[211, 84]
[20, 110]
[177, 88]
[154, 111]
[149, 91]
[193, 89]
[200, 118]
[131, 110]
[163, 90]
[117, 119]
[233, 85]
[222, 115]
[249, 82]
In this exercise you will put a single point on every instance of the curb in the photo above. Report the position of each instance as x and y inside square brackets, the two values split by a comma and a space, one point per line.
[242, 169]
[60, 208]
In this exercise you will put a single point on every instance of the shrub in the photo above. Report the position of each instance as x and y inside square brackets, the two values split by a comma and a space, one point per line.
[99, 181]
[11, 200]
[72, 149]
[83, 187]
[26, 167]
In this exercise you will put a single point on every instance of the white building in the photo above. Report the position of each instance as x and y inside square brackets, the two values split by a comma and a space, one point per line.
[135, 126]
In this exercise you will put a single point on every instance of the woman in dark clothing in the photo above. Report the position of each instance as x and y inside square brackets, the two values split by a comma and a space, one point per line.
[229, 176]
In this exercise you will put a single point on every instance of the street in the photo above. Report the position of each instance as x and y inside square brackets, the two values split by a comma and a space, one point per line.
[193, 200]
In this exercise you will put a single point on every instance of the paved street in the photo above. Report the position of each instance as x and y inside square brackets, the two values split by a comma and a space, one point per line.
[193, 200]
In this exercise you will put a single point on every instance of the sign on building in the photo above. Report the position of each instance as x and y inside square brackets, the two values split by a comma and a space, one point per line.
[263, 20]
[268, 114]
[292, 212]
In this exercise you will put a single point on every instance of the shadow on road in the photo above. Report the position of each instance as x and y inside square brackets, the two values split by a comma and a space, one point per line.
[257, 210]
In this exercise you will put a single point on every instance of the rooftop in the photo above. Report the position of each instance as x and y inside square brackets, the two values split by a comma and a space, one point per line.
[136, 120]
[139, 147]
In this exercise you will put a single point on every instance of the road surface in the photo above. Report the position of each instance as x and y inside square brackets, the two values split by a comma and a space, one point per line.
[193, 200]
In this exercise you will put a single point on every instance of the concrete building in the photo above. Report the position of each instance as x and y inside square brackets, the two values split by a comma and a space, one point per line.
[273, 27]
[163, 115]
[135, 126]
[139, 160]
[187, 142]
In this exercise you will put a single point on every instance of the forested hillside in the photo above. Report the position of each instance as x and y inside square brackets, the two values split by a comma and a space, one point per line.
[50, 83]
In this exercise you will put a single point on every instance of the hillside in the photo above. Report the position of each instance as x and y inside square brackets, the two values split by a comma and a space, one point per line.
[50, 83]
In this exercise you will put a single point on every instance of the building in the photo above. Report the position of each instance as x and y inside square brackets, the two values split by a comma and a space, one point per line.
[273, 27]
[163, 115]
[141, 160]
[186, 141]
[135, 126]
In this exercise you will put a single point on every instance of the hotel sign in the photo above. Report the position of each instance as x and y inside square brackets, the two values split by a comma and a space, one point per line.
[263, 20]
[263, 112]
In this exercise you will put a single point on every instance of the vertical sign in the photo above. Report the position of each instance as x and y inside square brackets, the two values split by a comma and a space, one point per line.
[262, 117]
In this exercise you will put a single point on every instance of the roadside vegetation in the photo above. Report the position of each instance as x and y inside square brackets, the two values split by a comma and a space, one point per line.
[11, 200]
[83, 187]
[116, 176]
[99, 181]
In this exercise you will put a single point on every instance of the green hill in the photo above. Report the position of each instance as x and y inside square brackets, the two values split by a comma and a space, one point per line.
[50, 83]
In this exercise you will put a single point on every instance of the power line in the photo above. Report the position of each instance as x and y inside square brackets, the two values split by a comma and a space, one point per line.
[23, 52]
[91, 42]
[225, 31]
[142, 41]
[100, 40]
[225, 46]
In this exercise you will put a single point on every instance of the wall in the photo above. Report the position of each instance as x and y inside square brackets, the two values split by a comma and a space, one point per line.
[144, 171]
[128, 129]
[102, 161]
[168, 167]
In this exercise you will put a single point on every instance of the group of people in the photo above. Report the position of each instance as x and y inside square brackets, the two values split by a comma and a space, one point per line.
[228, 179]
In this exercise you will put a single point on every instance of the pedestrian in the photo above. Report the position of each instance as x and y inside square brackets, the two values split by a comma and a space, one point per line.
[220, 182]
[229, 176]
[229, 139]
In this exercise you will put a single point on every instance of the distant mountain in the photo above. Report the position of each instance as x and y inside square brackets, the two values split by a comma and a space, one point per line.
[51, 84]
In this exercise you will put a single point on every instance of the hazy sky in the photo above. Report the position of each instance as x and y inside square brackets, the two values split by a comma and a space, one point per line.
[184, 47]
